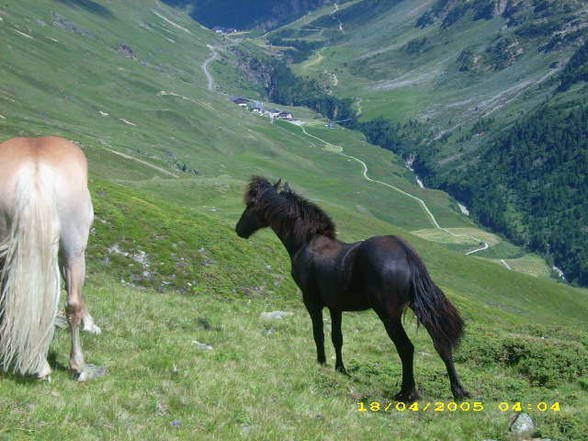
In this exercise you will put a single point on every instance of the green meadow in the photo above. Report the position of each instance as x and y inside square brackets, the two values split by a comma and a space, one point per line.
[179, 296]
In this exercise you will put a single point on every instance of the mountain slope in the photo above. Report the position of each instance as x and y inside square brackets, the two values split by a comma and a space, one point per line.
[462, 73]
[169, 160]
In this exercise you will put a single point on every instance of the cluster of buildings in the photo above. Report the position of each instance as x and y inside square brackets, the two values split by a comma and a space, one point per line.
[221, 30]
[259, 108]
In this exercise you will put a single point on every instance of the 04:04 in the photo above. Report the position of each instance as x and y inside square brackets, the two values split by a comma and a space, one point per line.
[518, 406]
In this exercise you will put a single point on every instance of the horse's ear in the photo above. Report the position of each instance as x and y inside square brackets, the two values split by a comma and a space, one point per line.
[277, 184]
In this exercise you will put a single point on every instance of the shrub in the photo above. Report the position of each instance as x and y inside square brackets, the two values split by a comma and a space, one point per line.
[542, 361]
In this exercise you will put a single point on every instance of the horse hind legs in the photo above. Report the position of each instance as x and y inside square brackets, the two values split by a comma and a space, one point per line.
[88, 324]
[408, 391]
[458, 391]
[337, 339]
[75, 273]
[81, 370]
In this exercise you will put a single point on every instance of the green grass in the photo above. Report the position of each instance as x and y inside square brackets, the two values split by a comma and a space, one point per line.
[260, 380]
[531, 264]
[165, 267]
[371, 62]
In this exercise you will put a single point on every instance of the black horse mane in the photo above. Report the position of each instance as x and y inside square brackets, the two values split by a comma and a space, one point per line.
[288, 212]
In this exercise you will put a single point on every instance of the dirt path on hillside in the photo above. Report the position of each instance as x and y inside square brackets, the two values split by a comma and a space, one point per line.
[490, 105]
[508, 267]
[422, 203]
[316, 60]
[485, 246]
[213, 56]
[502, 99]
[175, 25]
[132, 158]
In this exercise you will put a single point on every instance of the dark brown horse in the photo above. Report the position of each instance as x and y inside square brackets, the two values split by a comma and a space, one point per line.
[383, 273]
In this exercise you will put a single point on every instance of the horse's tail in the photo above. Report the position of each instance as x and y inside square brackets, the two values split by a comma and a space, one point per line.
[432, 307]
[29, 278]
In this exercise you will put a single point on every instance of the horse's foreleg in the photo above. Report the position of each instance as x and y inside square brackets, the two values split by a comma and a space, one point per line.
[405, 348]
[316, 315]
[337, 339]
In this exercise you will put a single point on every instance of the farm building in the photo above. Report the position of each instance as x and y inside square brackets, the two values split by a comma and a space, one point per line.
[285, 116]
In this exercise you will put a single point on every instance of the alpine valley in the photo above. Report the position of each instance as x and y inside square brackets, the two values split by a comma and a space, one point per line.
[480, 107]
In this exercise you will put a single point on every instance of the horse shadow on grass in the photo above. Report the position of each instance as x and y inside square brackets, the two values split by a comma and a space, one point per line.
[30, 379]
[90, 6]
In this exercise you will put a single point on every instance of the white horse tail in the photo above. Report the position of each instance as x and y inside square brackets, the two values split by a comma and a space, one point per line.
[29, 279]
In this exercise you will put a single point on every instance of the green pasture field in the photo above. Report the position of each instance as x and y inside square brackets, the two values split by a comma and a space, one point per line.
[166, 271]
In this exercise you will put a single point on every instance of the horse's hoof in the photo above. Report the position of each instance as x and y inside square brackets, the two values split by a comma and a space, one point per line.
[90, 372]
[46, 378]
[461, 395]
[45, 372]
[407, 397]
[91, 329]
[342, 370]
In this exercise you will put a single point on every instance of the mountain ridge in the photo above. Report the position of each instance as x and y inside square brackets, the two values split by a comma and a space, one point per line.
[181, 299]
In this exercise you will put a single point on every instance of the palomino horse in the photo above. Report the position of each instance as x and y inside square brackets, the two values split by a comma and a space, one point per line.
[383, 273]
[45, 218]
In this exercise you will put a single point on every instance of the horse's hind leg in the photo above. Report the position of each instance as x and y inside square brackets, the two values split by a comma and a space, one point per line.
[74, 236]
[337, 339]
[88, 324]
[458, 391]
[408, 392]
[74, 270]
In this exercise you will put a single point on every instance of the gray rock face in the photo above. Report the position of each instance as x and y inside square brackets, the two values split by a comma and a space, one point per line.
[522, 427]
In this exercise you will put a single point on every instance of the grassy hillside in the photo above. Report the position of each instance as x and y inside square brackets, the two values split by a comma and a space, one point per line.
[201, 290]
[402, 66]
[174, 120]
[452, 81]
[166, 271]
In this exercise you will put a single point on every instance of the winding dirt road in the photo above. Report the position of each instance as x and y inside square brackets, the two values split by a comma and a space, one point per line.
[213, 56]
[434, 221]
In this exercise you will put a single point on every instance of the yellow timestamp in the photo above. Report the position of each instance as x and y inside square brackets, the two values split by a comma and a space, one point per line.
[453, 406]
[433, 406]
[519, 406]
